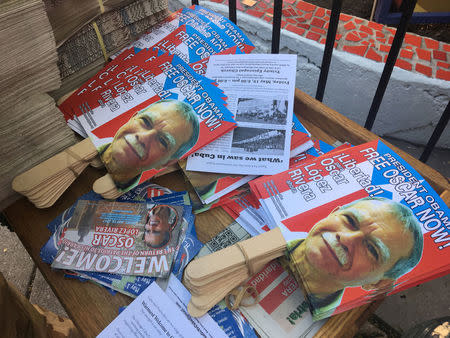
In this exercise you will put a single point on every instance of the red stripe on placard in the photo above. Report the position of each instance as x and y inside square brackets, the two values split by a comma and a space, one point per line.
[236, 206]
[110, 128]
[225, 182]
[172, 40]
[298, 138]
[305, 221]
[279, 294]
[253, 201]
[266, 276]
[230, 211]
[149, 174]
[247, 48]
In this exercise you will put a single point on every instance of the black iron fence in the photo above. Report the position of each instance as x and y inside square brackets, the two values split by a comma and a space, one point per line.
[328, 52]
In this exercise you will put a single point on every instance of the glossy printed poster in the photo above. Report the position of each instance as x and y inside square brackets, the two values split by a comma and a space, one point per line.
[358, 223]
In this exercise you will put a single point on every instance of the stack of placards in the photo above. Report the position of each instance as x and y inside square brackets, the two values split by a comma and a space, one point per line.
[32, 128]
[342, 216]
[83, 46]
[68, 17]
[148, 107]
[245, 208]
[358, 223]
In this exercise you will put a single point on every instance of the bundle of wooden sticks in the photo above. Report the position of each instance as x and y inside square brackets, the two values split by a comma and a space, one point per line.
[212, 277]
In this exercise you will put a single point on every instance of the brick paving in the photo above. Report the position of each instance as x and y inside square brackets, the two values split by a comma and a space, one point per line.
[355, 35]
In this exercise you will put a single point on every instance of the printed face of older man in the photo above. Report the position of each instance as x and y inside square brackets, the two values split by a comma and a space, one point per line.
[148, 140]
[157, 229]
[357, 245]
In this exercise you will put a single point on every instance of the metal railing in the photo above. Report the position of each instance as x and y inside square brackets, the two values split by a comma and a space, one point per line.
[328, 52]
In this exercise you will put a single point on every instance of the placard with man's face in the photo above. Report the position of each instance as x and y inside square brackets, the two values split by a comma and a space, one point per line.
[150, 113]
[358, 222]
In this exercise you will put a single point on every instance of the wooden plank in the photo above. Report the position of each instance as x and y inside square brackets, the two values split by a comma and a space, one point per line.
[328, 125]
[89, 306]
[92, 308]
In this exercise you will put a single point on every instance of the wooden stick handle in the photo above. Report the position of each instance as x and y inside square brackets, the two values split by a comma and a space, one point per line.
[221, 261]
[104, 185]
[84, 151]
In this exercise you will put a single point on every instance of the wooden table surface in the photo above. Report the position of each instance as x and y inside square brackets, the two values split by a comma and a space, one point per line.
[92, 308]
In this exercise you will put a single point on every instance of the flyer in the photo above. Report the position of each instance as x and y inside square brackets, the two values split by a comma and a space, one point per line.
[140, 239]
[181, 296]
[155, 314]
[260, 90]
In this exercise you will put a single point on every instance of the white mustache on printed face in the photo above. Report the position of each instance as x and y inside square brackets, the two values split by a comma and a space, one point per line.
[338, 249]
[136, 145]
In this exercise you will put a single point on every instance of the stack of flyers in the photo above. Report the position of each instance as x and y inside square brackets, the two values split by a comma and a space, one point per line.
[130, 285]
[246, 209]
[210, 187]
[159, 313]
[260, 90]
[198, 207]
[150, 107]
[359, 223]
[123, 238]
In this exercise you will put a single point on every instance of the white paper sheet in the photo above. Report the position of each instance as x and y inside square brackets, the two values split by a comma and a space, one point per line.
[260, 90]
[155, 314]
